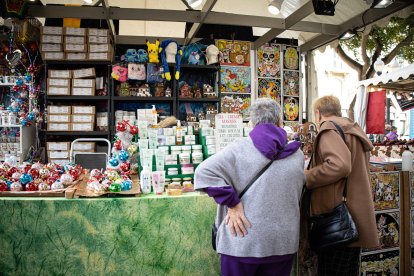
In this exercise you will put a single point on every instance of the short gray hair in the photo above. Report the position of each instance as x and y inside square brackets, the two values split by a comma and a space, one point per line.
[265, 111]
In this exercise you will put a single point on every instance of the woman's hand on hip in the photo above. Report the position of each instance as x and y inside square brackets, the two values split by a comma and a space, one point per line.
[237, 221]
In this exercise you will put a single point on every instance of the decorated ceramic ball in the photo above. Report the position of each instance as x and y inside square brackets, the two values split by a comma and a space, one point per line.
[37, 166]
[16, 176]
[106, 183]
[3, 186]
[115, 188]
[96, 173]
[25, 178]
[123, 155]
[57, 185]
[132, 149]
[100, 188]
[114, 161]
[66, 179]
[16, 186]
[43, 186]
[44, 173]
[11, 171]
[118, 181]
[92, 185]
[31, 187]
[126, 185]
[111, 175]
[34, 173]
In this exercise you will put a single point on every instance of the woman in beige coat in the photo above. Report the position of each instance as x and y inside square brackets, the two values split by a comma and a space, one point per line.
[333, 161]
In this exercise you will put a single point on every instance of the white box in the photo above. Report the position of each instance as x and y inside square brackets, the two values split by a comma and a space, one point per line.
[82, 126]
[75, 31]
[75, 48]
[189, 139]
[98, 32]
[45, 47]
[83, 83]
[75, 56]
[100, 48]
[75, 40]
[58, 118]
[58, 90]
[53, 56]
[83, 91]
[58, 126]
[84, 146]
[83, 110]
[99, 40]
[56, 39]
[84, 73]
[51, 30]
[100, 56]
[170, 140]
[59, 74]
[58, 82]
[55, 109]
[83, 118]
[102, 121]
[58, 154]
[54, 146]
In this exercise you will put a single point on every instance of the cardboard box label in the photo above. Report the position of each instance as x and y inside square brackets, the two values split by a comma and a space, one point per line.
[84, 73]
[54, 90]
[54, 146]
[75, 31]
[99, 39]
[58, 82]
[75, 40]
[99, 56]
[83, 110]
[76, 48]
[58, 127]
[53, 55]
[44, 47]
[102, 121]
[84, 146]
[82, 126]
[75, 56]
[100, 48]
[83, 118]
[59, 74]
[83, 91]
[61, 118]
[54, 109]
[98, 32]
[58, 154]
[83, 82]
[51, 30]
[51, 39]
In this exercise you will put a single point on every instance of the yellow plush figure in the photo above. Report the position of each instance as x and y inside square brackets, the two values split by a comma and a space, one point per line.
[153, 51]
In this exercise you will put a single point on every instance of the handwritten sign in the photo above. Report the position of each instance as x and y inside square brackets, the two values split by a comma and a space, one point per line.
[229, 127]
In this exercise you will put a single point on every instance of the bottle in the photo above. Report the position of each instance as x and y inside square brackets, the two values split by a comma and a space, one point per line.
[154, 115]
[179, 134]
[145, 180]
[407, 160]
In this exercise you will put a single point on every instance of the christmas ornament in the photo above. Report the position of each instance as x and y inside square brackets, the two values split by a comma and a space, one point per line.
[31, 187]
[57, 185]
[121, 126]
[34, 173]
[132, 149]
[44, 173]
[114, 161]
[43, 186]
[3, 186]
[118, 144]
[126, 185]
[31, 116]
[133, 130]
[124, 167]
[66, 179]
[16, 187]
[123, 156]
[115, 188]
[25, 178]
[19, 82]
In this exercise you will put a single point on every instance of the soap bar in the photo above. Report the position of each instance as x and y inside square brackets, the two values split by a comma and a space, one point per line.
[174, 192]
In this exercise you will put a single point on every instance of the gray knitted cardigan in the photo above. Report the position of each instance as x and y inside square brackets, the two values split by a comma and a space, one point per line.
[271, 204]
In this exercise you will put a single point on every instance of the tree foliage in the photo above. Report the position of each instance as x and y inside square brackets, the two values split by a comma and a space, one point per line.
[395, 39]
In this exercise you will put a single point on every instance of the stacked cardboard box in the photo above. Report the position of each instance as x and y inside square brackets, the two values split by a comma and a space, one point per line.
[71, 118]
[82, 81]
[68, 43]
[59, 152]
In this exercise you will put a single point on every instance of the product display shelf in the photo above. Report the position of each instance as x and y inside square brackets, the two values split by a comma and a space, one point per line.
[77, 133]
[143, 99]
[77, 98]
[26, 140]
[199, 100]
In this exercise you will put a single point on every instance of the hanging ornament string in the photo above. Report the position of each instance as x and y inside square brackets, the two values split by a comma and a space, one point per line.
[11, 38]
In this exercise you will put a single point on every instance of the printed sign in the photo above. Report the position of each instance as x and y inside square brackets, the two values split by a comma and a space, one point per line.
[229, 127]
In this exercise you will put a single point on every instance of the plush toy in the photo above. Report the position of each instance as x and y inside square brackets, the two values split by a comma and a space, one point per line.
[131, 55]
[194, 58]
[212, 54]
[170, 53]
[153, 50]
[119, 73]
[142, 56]
[136, 71]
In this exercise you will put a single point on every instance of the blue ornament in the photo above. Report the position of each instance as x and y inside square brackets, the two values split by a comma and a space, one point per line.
[31, 116]
[123, 155]
[19, 82]
[28, 78]
[126, 185]
[23, 122]
[25, 178]
[114, 161]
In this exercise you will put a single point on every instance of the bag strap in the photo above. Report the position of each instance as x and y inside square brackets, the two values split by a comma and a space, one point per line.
[260, 173]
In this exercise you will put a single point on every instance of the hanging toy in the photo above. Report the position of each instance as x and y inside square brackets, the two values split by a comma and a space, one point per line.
[121, 126]
[133, 130]
[170, 53]
[114, 162]
[123, 155]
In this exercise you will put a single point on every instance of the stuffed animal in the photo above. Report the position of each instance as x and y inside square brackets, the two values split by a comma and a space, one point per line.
[119, 73]
[136, 71]
[170, 52]
[130, 55]
[153, 50]
[212, 54]
[194, 58]
[142, 56]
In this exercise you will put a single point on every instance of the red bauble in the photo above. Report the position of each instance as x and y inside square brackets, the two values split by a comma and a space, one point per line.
[133, 130]
[3, 186]
[31, 187]
[3, 172]
[34, 173]
[118, 144]
[24, 87]
[124, 167]
[121, 126]
[11, 171]
[55, 174]
[16, 88]
[51, 180]
[74, 173]
[28, 166]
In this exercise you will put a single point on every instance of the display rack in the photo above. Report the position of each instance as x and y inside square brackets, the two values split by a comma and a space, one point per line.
[26, 141]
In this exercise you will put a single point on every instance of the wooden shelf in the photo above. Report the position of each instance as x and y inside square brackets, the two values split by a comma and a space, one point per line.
[143, 99]
[201, 67]
[197, 100]
[78, 62]
[77, 133]
[74, 98]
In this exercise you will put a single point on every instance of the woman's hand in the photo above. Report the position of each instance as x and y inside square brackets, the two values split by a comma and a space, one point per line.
[237, 221]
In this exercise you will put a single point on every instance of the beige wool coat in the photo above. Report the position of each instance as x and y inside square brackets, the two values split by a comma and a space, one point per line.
[332, 162]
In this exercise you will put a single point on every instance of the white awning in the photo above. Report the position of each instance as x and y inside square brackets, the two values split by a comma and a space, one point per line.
[402, 79]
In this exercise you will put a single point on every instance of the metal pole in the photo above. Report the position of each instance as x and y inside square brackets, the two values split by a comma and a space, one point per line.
[388, 111]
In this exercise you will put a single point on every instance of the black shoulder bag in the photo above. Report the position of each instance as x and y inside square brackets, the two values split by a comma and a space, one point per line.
[214, 227]
[334, 229]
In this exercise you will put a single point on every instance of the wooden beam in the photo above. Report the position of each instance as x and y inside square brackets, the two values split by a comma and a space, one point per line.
[208, 6]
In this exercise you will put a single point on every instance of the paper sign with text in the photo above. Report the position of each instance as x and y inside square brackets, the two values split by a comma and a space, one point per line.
[229, 127]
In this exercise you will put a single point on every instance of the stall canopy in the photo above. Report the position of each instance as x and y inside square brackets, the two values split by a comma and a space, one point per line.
[401, 82]
[141, 19]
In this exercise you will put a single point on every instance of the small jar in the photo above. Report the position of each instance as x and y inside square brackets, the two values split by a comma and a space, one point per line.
[185, 158]
[210, 140]
[172, 171]
[197, 157]
[187, 169]
[186, 149]
[167, 182]
[176, 181]
[175, 150]
[197, 147]
[187, 181]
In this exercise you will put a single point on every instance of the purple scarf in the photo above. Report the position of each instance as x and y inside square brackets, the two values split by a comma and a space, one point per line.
[272, 141]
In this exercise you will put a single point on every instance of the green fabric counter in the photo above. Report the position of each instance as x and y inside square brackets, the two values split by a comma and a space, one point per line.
[149, 235]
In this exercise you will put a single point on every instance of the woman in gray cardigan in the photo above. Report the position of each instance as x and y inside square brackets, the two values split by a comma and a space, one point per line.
[259, 234]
